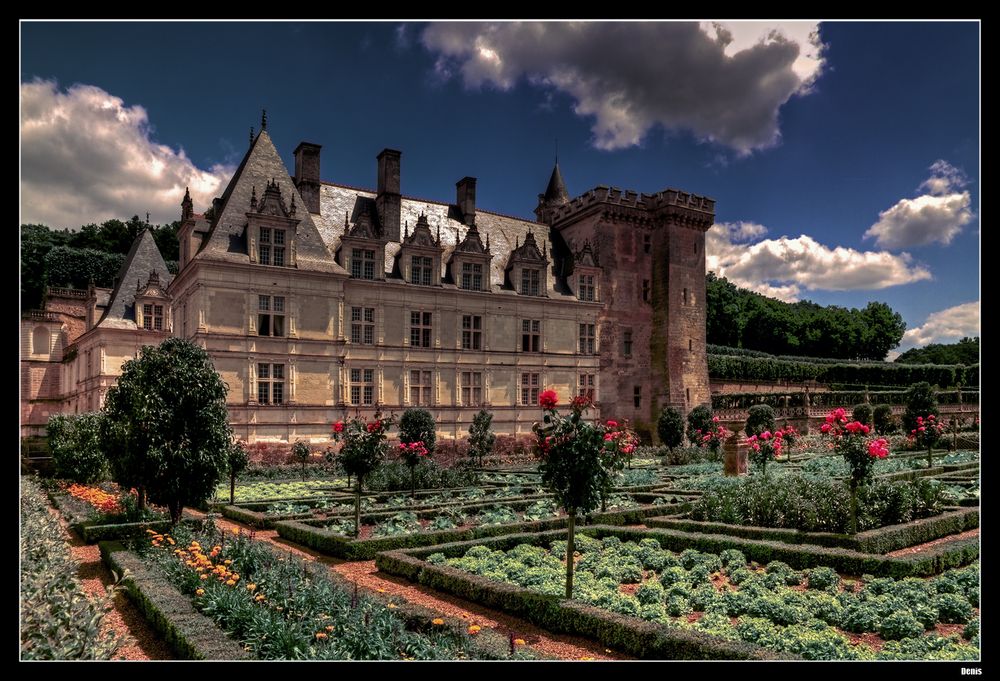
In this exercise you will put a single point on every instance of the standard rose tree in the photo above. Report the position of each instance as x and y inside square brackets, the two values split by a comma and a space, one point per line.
[363, 451]
[579, 461]
[926, 432]
[860, 452]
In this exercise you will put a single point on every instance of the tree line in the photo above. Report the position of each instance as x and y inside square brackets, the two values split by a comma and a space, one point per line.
[72, 259]
[740, 318]
[965, 351]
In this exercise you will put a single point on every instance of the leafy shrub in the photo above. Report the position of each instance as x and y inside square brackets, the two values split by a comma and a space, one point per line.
[953, 609]
[920, 401]
[417, 425]
[76, 447]
[859, 617]
[814, 643]
[673, 575]
[823, 578]
[740, 575]
[677, 606]
[971, 630]
[699, 420]
[758, 630]
[733, 558]
[863, 413]
[670, 428]
[900, 625]
[760, 418]
[481, 436]
[650, 592]
[883, 420]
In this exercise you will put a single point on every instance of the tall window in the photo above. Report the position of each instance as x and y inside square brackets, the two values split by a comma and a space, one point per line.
[472, 388]
[531, 335]
[152, 317]
[362, 386]
[420, 270]
[530, 282]
[627, 343]
[645, 290]
[272, 246]
[420, 329]
[637, 396]
[270, 315]
[362, 263]
[586, 286]
[586, 339]
[420, 388]
[647, 243]
[685, 296]
[363, 325]
[472, 332]
[270, 383]
[529, 389]
[472, 276]
[588, 383]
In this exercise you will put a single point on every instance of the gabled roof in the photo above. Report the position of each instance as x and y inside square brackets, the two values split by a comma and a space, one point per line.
[142, 259]
[227, 238]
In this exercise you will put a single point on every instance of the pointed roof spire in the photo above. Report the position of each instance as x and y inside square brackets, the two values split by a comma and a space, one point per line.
[406, 230]
[345, 219]
[253, 198]
[556, 190]
[263, 120]
[187, 206]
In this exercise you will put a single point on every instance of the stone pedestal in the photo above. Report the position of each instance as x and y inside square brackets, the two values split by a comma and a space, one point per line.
[734, 460]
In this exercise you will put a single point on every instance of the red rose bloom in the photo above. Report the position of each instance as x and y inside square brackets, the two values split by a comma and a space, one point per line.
[548, 399]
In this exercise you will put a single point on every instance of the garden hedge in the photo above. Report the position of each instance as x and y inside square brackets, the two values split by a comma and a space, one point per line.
[192, 635]
[92, 532]
[878, 541]
[745, 368]
[347, 548]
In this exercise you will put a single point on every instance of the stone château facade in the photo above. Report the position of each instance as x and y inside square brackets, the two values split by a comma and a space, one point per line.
[317, 301]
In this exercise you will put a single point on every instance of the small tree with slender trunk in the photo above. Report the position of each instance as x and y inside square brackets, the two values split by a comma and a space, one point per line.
[239, 459]
[300, 452]
[670, 428]
[363, 451]
[578, 463]
[481, 437]
[926, 433]
[416, 428]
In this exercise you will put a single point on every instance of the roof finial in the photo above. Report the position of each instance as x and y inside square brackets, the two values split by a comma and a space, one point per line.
[147, 219]
[345, 219]
[406, 230]
[251, 135]
[487, 241]
[253, 198]
[291, 210]
[439, 234]
[517, 242]
[263, 120]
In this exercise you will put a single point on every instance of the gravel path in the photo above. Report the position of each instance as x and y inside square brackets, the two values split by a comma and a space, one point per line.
[931, 544]
[139, 641]
[366, 575]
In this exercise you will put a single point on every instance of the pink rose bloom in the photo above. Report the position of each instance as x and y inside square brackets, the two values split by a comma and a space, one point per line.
[825, 428]
[766, 435]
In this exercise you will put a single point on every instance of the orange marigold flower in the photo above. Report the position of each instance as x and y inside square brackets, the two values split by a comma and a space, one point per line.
[259, 597]
[203, 577]
[228, 562]
[251, 587]
[149, 531]
[230, 582]
[236, 530]
[519, 642]
[199, 592]
[391, 606]
[321, 635]
[329, 627]
[474, 629]
[437, 621]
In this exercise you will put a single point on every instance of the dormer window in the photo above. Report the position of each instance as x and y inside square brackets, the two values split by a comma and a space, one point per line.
[362, 263]
[272, 246]
[421, 267]
[472, 276]
[585, 283]
[530, 282]
[152, 317]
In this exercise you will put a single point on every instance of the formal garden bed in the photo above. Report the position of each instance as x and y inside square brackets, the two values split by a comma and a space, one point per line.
[219, 596]
[102, 512]
[646, 590]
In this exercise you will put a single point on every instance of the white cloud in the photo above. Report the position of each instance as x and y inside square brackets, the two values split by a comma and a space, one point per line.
[937, 216]
[783, 267]
[945, 326]
[724, 83]
[87, 157]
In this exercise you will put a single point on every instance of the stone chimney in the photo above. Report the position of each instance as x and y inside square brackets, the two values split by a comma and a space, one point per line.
[388, 200]
[466, 199]
[307, 174]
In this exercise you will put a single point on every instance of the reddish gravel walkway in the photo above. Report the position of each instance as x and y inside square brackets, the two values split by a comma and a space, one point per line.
[931, 544]
[139, 641]
[366, 575]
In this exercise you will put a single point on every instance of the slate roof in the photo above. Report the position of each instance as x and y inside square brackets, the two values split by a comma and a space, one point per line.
[556, 191]
[144, 257]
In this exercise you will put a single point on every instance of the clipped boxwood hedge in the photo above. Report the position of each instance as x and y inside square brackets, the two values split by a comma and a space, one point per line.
[92, 532]
[192, 635]
[347, 548]
[880, 541]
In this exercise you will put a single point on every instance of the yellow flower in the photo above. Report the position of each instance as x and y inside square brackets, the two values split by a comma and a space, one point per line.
[437, 621]
[251, 587]
[235, 576]
[236, 530]
[474, 629]
[230, 582]
[519, 642]
[171, 540]
[259, 597]
[149, 531]
[228, 562]
[587, 659]
[199, 592]
[203, 576]
[391, 606]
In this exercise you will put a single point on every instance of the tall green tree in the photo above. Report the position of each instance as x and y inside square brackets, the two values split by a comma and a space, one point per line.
[166, 427]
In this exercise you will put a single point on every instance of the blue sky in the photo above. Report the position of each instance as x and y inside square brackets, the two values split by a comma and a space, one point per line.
[845, 163]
